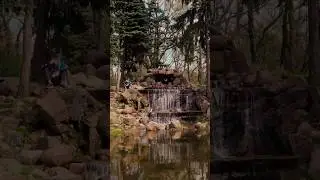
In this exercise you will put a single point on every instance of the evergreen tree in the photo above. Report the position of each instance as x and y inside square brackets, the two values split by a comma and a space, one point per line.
[159, 22]
[132, 26]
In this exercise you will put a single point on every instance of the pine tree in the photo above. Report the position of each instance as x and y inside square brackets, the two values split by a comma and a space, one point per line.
[159, 22]
[132, 27]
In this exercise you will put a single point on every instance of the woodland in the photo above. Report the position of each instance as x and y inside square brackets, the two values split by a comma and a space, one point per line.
[279, 36]
[272, 34]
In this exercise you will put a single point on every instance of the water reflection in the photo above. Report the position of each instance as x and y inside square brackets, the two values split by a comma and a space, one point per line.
[163, 156]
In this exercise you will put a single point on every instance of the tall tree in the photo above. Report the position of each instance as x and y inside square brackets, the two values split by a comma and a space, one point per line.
[157, 32]
[250, 6]
[133, 30]
[100, 22]
[314, 42]
[40, 46]
[24, 86]
[287, 35]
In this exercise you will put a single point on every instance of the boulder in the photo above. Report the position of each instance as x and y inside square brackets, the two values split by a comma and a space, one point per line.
[77, 168]
[91, 82]
[96, 58]
[60, 173]
[30, 157]
[153, 126]
[46, 142]
[176, 124]
[133, 97]
[202, 103]
[90, 70]
[58, 155]
[39, 174]
[9, 86]
[314, 166]
[6, 151]
[53, 107]
[13, 167]
[103, 72]
[128, 110]
[14, 138]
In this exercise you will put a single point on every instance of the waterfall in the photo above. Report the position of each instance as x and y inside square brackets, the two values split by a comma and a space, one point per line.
[232, 129]
[165, 100]
[218, 130]
[164, 103]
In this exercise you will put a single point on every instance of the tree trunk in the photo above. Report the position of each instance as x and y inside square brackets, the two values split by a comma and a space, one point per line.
[313, 23]
[211, 9]
[102, 32]
[289, 63]
[107, 30]
[156, 60]
[200, 67]
[40, 50]
[283, 56]
[238, 17]
[99, 28]
[24, 85]
[250, 6]
[118, 78]
[188, 71]
[287, 36]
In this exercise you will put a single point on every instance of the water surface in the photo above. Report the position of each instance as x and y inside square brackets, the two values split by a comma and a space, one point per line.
[162, 156]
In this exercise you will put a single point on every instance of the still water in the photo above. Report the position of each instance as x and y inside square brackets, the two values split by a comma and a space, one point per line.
[160, 156]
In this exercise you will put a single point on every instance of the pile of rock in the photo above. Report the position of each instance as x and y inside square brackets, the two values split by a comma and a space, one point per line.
[163, 78]
[57, 133]
[284, 104]
[40, 138]
[129, 111]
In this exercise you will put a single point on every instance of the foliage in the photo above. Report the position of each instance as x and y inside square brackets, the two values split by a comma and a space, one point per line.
[132, 27]
[9, 63]
[158, 30]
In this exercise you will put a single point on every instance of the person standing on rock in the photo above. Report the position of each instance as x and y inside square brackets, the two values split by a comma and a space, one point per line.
[127, 84]
[56, 71]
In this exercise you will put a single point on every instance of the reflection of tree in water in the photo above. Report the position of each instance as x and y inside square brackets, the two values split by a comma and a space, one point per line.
[164, 158]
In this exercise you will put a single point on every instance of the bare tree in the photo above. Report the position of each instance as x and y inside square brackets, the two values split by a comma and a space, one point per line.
[24, 86]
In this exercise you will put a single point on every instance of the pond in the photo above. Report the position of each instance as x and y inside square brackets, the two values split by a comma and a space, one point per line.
[160, 156]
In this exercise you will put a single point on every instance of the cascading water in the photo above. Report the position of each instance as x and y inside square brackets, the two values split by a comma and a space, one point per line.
[218, 130]
[165, 104]
[165, 100]
[233, 122]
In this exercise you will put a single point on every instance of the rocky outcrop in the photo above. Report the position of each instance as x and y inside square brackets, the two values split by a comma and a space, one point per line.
[280, 103]
[54, 127]
[96, 58]
[225, 57]
[162, 78]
